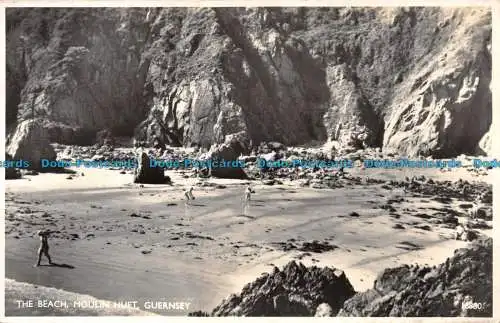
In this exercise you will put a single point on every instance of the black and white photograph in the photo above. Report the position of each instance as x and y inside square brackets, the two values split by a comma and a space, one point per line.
[249, 161]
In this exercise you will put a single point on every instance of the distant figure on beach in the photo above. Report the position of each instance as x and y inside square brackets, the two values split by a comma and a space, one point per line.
[189, 194]
[248, 193]
[44, 246]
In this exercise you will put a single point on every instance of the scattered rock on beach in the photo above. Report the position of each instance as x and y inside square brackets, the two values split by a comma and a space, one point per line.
[316, 246]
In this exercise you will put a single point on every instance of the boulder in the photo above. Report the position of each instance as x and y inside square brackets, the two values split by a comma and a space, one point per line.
[11, 172]
[233, 147]
[485, 213]
[324, 310]
[30, 142]
[148, 175]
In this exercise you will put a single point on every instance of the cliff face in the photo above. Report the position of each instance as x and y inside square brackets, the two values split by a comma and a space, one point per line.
[407, 79]
[81, 67]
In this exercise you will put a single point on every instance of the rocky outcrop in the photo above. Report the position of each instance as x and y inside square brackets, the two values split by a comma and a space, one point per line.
[30, 142]
[226, 157]
[146, 174]
[462, 286]
[446, 290]
[444, 109]
[228, 76]
[294, 291]
[351, 120]
[410, 80]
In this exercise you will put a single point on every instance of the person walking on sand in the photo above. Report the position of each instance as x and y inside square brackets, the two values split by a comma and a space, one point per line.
[189, 194]
[248, 193]
[44, 247]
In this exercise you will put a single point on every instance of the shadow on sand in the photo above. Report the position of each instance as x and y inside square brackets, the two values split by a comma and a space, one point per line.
[247, 216]
[57, 170]
[58, 265]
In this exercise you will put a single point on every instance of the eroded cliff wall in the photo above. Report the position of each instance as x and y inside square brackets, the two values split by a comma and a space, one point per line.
[413, 80]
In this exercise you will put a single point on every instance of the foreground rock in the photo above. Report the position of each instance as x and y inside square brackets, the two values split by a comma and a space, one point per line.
[425, 291]
[30, 142]
[148, 175]
[295, 291]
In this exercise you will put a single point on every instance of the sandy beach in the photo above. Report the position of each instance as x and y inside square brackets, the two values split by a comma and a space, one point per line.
[118, 241]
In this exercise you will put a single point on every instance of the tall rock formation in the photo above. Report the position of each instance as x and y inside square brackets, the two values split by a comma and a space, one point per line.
[445, 106]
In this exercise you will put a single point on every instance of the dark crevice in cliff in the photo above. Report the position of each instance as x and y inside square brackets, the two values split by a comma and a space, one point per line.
[232, 27]
[472, 121]
[314, 89]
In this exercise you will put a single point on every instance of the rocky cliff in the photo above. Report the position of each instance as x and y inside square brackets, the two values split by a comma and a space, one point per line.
[413, 80]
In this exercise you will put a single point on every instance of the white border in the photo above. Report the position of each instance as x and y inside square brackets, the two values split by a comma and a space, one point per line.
[495, 4]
